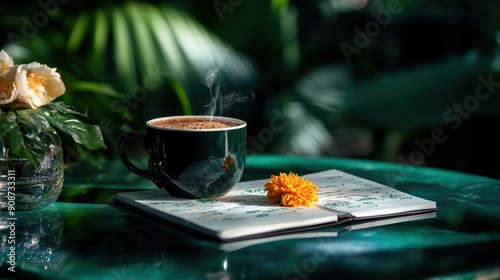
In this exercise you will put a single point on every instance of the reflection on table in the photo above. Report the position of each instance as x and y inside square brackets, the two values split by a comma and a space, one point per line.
[36, 236]
[79, 238]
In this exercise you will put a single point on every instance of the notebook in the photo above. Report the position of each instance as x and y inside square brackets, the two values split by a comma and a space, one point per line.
[246, 213]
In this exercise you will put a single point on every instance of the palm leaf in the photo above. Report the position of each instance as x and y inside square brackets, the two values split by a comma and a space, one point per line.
[303, 133]
[101, 33]
[142, 34]
[145, 38]
[80, 26]
[124, 56]
[419, 97]
[114, 52]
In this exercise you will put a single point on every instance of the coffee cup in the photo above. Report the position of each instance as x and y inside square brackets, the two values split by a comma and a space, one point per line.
[191, 156]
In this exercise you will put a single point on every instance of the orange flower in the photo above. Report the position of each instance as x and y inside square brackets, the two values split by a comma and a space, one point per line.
[291, 190]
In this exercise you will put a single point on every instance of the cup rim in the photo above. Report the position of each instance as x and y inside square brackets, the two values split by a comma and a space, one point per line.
[238, 123]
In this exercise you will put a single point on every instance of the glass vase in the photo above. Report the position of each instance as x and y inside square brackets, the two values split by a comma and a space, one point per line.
[23, 186]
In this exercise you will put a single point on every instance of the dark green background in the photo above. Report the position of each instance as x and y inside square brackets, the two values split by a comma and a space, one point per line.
[124, 62]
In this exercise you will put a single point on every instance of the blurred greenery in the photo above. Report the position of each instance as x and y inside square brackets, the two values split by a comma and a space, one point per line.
[408, 64]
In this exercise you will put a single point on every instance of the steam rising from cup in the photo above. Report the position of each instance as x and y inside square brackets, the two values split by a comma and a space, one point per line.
[219, 99]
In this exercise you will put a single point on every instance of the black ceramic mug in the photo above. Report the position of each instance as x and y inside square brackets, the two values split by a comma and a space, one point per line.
[188, 162]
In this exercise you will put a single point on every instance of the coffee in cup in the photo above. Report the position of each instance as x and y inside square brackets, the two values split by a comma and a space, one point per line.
[190, 123]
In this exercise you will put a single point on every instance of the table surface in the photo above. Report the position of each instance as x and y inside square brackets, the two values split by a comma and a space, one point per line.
[85, 235]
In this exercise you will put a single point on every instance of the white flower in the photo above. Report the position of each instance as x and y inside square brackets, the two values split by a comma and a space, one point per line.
[36, 85]
[6, 62]
[8, 90]
[7, 77]
[27, 86]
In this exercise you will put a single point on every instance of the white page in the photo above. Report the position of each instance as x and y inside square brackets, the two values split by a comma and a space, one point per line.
[347, 193]
[244, 211]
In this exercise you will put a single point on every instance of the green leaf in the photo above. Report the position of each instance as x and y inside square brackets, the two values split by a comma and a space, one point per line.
[277, 5]
[10, 132]
[101, 32]
[100, 88]
[62, 117]
[65, 109]
[183, 97]
[166, 41]
[31, 127]
[125, 61]
[142, 37]
[78, 32]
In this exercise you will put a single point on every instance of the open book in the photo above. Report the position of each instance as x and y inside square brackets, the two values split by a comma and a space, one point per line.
[245, 212]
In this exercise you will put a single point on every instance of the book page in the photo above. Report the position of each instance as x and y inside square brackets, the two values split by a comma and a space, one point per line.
[243, 211]
[343, 192]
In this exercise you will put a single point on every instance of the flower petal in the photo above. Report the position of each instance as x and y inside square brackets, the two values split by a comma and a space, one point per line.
[6, 62]
[8, 90]
[38, 84]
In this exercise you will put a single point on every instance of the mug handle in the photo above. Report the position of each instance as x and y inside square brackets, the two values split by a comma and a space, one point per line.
[145, 173]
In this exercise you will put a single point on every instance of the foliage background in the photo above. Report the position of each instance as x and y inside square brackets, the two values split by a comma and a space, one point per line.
[125, 62]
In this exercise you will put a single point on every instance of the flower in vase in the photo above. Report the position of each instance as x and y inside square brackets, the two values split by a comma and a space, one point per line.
[27, 86]
[26, 95]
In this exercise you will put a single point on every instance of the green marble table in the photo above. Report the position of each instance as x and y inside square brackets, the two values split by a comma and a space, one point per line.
[86, 236]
